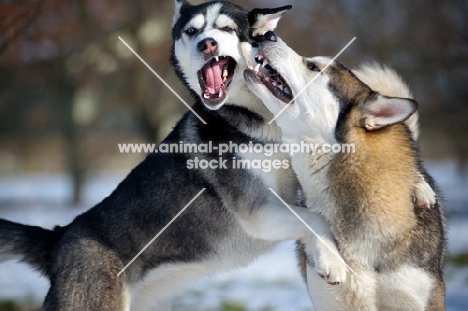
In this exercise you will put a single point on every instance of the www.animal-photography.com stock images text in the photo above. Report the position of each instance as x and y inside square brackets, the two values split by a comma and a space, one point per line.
[244, 155]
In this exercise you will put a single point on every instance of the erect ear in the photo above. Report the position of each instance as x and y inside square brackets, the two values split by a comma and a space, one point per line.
[180, 6]
[383, 111]
[263, 20]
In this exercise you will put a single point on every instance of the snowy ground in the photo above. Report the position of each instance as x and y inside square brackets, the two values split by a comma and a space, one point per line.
[272, 282]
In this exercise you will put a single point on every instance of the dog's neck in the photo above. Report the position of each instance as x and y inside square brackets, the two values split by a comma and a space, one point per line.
[259, 129]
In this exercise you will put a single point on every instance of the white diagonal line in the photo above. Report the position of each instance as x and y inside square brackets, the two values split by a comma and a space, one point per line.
[160, 232]
[312, 81]
[162, 80]
[312, 230]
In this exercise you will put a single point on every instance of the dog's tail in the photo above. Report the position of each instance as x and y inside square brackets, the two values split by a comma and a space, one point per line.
[387, 82]
[29, 244]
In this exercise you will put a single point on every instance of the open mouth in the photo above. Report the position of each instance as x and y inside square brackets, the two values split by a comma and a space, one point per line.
[274, 82]
[214, 78]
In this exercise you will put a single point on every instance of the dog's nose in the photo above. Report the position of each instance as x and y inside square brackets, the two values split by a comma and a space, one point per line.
[208, 46]
[270, 36]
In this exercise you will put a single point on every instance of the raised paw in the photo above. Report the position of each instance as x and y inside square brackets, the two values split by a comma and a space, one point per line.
[331, 267]
[327, 279]
[425, 197]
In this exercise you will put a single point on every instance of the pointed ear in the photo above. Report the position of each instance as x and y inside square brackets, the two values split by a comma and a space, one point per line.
[383, 111]
[263, 20]
[180, 6]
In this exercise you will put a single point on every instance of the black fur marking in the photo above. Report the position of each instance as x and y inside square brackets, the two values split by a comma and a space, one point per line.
[253, 16]
[239, 15]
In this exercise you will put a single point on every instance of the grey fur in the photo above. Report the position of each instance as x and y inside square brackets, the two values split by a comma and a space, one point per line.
[235, 220]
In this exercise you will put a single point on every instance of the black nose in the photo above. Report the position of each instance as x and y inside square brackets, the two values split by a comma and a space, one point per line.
[270, 36]
[207, 46]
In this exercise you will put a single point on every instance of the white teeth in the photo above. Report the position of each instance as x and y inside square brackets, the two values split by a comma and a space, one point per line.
[257, 67]
[225, 73]
[251, 68]
[265, 62]
[286, 90]
[281, 87]
[217, 58]
[220, 93]
[206, 96]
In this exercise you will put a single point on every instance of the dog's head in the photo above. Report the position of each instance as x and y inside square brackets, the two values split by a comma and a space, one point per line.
[211, 43]
[321, 92]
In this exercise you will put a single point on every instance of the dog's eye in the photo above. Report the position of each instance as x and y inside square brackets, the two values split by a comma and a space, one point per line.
[228, 29]
[313, 67]
[191, 31]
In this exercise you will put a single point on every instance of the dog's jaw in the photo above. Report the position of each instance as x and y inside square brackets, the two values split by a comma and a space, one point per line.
[313, 112]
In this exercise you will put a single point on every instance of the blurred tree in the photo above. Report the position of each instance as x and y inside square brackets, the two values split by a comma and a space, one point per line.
[426, 41]
[63, 69]
[77, 42]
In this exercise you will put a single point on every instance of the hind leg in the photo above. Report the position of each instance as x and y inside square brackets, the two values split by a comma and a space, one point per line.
[358, 293]
[437, 297]
[84, 277]
[325, 297]
[113, 298]
[405, 288]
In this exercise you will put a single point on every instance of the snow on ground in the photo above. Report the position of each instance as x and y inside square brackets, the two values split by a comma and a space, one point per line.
[272, 281]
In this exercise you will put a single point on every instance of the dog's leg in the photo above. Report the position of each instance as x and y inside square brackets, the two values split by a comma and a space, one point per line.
[405, 288]
[358, 293]
[325, 297]
[311, 169]
[277, 223]
[424, 196]
[84, 278]
[328, 263]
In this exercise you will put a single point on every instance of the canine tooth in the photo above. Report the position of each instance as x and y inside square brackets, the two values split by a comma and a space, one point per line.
[216, 58]
[225, 73]
[280, 87]
[251, 68]
[206, 96]
[257, 67]
[286, 90]
[265, 62]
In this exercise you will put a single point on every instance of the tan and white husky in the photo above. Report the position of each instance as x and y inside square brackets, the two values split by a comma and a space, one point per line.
[395, 249]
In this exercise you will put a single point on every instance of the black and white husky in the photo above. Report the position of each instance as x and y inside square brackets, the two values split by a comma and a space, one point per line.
[236, 218]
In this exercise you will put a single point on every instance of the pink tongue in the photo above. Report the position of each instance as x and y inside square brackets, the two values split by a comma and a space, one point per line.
[213, 74]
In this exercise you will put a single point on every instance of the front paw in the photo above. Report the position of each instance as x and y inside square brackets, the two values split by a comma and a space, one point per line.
[425, 197]
[331, 267]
